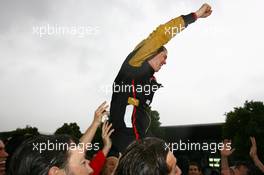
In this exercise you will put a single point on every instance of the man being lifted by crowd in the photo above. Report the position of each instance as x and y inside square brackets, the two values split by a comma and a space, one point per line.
[130, 99]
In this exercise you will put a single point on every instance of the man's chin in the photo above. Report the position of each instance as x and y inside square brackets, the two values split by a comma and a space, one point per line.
[158, 69]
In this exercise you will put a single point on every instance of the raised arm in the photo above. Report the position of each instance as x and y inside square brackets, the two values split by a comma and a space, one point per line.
[164, 33]
[225, 153]
[254, 156]
[106, 133]
[90, 132]
[98, 160]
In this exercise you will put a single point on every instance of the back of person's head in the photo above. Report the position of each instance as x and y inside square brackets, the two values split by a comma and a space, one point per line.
[38, 154]
[210, 171]
[110, 165]
[144, 157]
[242, 167]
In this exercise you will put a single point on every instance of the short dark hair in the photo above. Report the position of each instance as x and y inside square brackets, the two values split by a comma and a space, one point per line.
[161, 49]
[246, 164]
[28, 160]
[195, 164]
[144, 157]
[241, 163]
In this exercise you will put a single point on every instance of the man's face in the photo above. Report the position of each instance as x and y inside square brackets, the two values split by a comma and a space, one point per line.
[193, 170]
[158, 61]
[77, 164]
[3, 156]
[171, 162]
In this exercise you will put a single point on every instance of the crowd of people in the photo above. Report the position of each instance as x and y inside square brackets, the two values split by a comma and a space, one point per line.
[240, 168]
[67, 156]
[127, 150]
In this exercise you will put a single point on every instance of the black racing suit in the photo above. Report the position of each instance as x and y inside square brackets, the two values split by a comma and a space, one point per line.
[135, 85]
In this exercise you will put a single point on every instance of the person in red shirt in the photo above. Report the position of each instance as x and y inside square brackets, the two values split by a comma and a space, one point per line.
[98, 161]
[61, 154]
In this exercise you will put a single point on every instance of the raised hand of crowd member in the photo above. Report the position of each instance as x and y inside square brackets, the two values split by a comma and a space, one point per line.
[225, 153]
[98, 115]
[239, 169]
[98, 161]
[106, 133]
[254, 156]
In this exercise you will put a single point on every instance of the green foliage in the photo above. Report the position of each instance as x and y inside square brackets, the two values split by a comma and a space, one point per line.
[243, 122]
[15, 138]
[19, 132]
[28, 130]
[71, 129]
[155, 123]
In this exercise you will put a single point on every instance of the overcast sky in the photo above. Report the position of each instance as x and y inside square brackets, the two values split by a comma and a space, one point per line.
[49, 79]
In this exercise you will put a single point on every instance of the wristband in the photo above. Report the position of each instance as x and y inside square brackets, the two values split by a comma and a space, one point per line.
[195, 16]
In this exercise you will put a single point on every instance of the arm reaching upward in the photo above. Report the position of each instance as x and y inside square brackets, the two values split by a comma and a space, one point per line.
[225, 153]
[254, 156]
[90, 132]
[164, 33]
[106, 133]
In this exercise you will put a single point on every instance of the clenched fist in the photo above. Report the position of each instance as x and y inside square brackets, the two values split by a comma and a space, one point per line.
[204, 11]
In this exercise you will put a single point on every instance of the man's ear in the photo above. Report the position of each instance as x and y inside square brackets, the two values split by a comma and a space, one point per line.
[55, 171]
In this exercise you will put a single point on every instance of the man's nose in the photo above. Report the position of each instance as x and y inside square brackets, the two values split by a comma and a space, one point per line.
[6, 154]
[91, 171]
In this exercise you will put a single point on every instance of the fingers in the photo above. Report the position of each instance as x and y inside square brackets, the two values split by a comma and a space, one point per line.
[205, 10]
[227, 141]
[108, 127]
[253, 141]
[102, 108]
[110, 133]
[100, 112]
[232, 150]
[227, 146]
[253, 149]
[101, 105]
[206, 6]
[206, 14]
[105, 113]
[209, 12]
[103, 128]
[106, 132]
